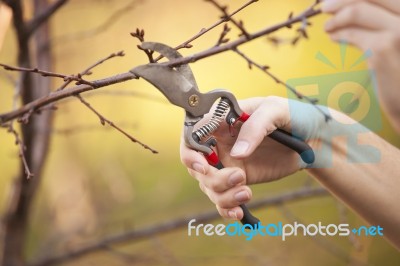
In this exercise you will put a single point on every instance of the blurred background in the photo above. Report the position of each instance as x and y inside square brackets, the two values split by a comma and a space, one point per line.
[97, 183]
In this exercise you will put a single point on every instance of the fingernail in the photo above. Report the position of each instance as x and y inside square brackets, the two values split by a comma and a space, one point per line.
[232, 214]
[240, 148]
[198, 167]
[242, 196]
[328, 6]
[235, 178]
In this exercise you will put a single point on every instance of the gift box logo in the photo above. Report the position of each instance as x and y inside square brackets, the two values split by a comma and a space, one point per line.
[350, 92]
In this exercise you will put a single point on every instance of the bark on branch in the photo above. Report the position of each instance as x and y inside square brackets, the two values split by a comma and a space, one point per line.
[43, 17]
[231, 46]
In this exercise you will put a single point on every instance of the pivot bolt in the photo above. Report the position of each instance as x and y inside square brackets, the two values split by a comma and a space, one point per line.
[194, 100]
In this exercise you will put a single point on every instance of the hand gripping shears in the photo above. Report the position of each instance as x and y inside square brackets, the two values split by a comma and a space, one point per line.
[179, 86]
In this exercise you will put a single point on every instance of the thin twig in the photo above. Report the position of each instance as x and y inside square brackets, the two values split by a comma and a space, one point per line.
[222, 37]
[88, 70]
[11, 129]
[187, 43]
[68, 79]
[139, 34]
[106, 24]
[178, 223]
[44, 73]
[266, 70]
[227, 17]
[104, 120]
[21, 150]
[56, 96]
[68, 92]
[301, 33]
[308, 13]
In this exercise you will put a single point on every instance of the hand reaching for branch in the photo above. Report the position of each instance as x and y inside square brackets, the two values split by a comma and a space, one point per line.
[372, 25]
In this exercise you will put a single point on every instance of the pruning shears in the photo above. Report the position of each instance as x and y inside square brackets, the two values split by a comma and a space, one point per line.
[179, 86]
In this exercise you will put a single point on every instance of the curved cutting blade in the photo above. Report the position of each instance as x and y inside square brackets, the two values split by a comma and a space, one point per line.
[171, 54]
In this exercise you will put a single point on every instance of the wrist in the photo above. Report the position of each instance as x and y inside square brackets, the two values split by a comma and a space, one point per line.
[342, 140]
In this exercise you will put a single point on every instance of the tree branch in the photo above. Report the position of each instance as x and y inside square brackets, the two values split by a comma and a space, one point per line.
[68, 92]
[169, 226]
[139, 34]
[37, 21]
[107, 23]
[68, 79]
[226, 17]
[266, 70]
[56, 96]
[222, 37]
[203, 31]
[104, 120]
[310, 12]
[78, 78]
[88, 70]
[21, 150]
[14, 224]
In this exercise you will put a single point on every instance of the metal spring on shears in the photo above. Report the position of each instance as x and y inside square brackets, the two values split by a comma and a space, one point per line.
[215, 121]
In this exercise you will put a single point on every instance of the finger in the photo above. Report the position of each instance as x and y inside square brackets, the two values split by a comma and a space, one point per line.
[272, 114]
[230, 198]
[193, 159]
[222, 180]
[332, 6]
[366, 40]
[362, 14]
[235, 213]
[250, 105]
[359, 37]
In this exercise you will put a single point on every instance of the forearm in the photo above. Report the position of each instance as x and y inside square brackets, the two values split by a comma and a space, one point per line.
[371, 188]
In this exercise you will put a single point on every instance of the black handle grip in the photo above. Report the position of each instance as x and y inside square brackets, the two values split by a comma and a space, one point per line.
[248, 218]
[303, 149]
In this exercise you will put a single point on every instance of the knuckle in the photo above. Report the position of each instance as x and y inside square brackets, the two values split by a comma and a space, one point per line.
[250, 193]
[275, 101]
[214, 185]
[222, 202]
[272, 99]
[351, 13]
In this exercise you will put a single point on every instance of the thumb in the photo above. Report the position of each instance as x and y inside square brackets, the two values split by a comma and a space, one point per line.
[270, 115]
